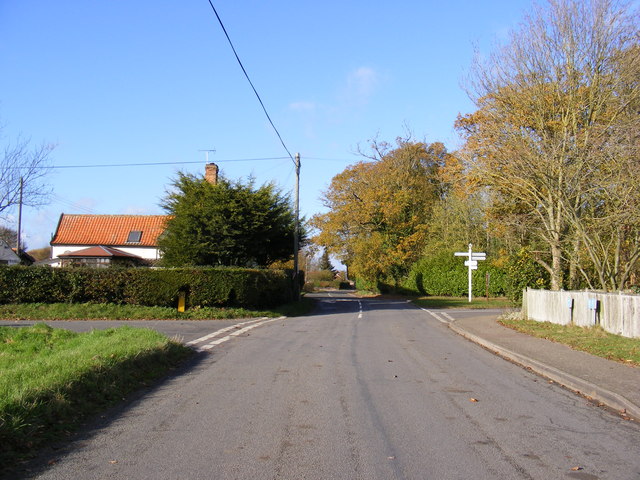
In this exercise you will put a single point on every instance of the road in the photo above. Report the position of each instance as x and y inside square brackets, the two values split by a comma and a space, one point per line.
[362, 389]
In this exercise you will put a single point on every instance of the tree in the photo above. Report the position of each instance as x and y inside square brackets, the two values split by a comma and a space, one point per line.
[229, 223]
[26, 165]
[552, 106]
[325, 262]
[42, 253]
[9, 235]
[459, 216]
[379, 209]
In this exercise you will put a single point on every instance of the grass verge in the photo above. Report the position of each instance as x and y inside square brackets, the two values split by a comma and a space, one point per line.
[463, 302]
[591, 340]
[52, 378]
[110, 311]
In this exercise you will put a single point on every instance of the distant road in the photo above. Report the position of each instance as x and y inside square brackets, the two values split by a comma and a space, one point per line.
[363, 389]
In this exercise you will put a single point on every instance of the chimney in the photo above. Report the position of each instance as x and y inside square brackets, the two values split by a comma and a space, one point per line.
[211, 173]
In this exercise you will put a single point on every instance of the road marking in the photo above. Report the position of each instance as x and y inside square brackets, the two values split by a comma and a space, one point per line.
[255, 323]
[360, 308]
[438, 317]
[221, 331]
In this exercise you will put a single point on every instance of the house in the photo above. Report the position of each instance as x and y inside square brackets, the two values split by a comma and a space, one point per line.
[7, 255]
[103, 240]
[100, 257]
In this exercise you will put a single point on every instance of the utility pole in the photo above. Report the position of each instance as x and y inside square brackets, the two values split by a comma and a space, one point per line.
[18, 242]
[296, 280]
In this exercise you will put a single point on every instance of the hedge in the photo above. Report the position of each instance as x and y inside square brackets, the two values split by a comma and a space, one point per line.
[204, 287]
[445, 275]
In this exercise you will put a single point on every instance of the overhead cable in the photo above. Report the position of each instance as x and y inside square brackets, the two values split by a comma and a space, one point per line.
[108, 165]
[249, 80]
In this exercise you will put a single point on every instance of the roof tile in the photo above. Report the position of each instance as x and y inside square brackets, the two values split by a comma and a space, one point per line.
[108, 230]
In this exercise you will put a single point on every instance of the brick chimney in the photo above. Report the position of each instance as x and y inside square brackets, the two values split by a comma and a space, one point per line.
[211, 173]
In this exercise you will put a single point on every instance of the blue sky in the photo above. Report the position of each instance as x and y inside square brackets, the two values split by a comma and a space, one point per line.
[116, 82]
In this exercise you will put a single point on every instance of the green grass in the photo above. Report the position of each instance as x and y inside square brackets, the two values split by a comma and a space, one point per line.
[463, 302]
[591, 340]
[109, 311]
[53, 378]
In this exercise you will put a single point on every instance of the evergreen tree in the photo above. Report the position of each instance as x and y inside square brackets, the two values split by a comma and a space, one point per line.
[229, 223]
[325, 263]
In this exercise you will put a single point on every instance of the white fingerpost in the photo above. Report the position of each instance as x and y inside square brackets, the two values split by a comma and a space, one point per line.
[471, 262]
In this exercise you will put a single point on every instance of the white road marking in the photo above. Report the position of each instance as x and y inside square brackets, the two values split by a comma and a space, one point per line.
[437, 316]
[360, 308]
[255, 324]
[221, 331]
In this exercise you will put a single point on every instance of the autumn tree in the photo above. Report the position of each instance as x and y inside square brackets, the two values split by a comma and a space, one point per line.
[459, 215]
[553, 103]
[42, 253]
[379, 209]
[607, 224]
[228, 223]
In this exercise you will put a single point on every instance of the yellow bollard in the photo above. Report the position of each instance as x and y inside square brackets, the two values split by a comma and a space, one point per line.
[181, 301]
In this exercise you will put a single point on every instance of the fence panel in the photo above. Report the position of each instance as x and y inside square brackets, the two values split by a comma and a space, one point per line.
[615, 313]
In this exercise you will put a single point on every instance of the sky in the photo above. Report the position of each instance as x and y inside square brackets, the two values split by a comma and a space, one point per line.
[139, 82]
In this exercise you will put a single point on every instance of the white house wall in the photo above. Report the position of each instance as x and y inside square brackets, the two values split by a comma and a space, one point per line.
[148, 253]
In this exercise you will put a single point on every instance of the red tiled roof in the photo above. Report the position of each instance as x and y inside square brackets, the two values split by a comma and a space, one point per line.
[108, 230]
[99, 251]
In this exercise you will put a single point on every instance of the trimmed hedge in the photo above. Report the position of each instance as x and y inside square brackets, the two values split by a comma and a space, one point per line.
[204, 287]
[445, 275]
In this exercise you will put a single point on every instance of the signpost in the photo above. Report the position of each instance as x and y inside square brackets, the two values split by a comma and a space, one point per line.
[471, 262]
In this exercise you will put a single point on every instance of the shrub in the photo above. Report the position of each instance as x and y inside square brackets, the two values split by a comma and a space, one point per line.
[320, 279]
[443, 274]
[204, 287]
[522, 272]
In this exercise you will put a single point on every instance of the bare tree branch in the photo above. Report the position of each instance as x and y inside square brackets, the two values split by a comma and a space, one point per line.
[21, 160]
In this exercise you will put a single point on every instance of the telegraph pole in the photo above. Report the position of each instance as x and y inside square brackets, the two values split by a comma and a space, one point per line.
[296, 280]
[18, 242]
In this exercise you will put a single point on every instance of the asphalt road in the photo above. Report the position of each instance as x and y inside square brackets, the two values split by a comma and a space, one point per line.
[362, 389]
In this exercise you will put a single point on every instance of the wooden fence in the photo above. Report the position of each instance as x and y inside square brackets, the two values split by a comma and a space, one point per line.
[615, 313]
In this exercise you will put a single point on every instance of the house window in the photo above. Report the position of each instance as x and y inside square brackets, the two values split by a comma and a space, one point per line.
[134, 236]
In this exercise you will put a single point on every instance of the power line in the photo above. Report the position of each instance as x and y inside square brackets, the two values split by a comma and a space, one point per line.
[332, 159]
[249, 80]
[226, 160]
[108, 165]
[75, 205]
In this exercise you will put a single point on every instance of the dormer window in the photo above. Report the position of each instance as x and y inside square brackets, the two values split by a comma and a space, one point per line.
[134, 236]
